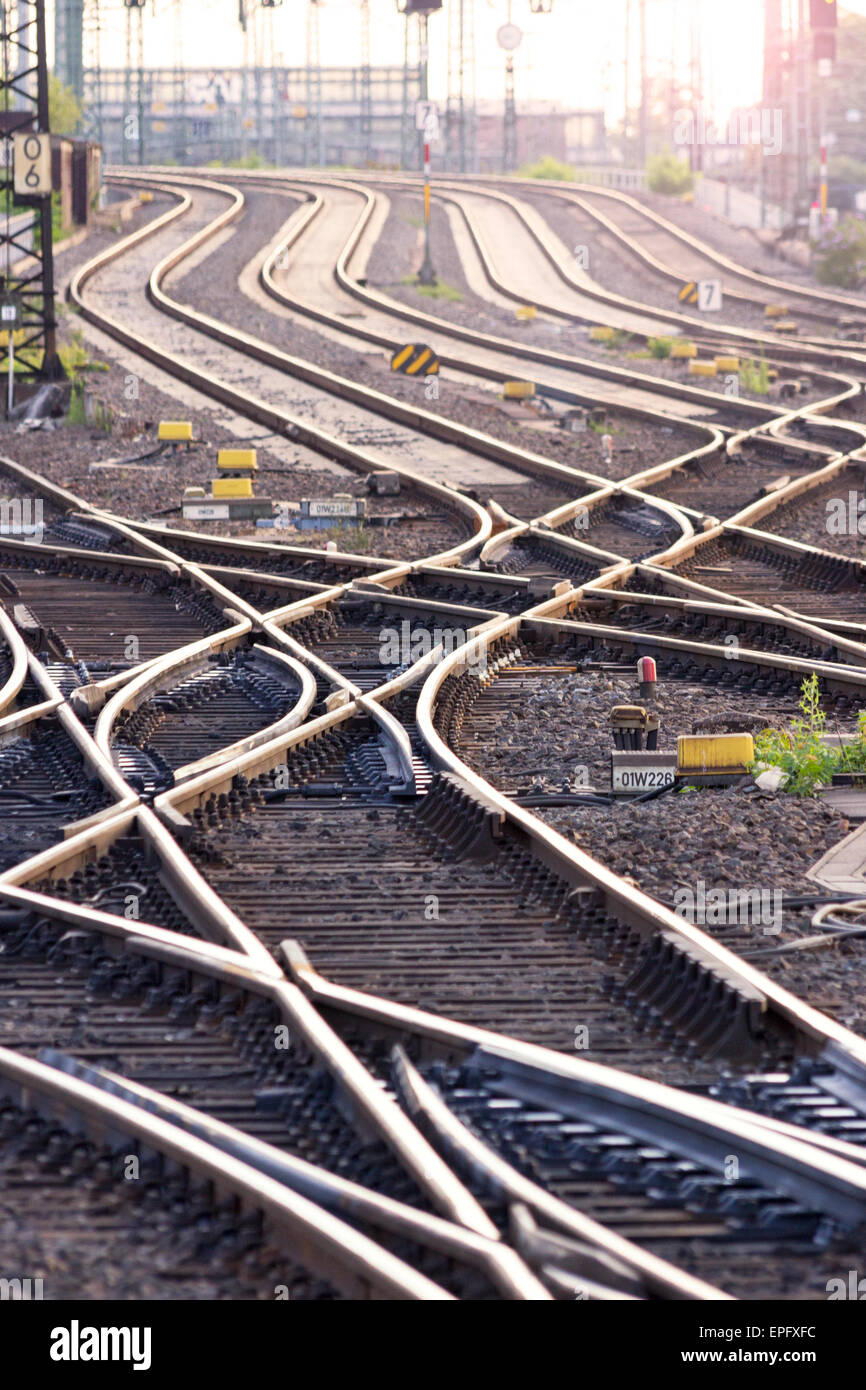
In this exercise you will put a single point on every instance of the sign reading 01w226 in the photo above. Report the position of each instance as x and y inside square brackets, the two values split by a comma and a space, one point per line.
[32, 164]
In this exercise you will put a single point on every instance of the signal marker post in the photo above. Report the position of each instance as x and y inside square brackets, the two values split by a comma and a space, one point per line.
[427, 120]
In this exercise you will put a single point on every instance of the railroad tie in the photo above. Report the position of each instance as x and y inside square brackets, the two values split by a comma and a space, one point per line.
[453, 814]
[687, 993]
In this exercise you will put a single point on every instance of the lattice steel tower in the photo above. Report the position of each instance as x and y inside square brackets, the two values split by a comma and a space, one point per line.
[26, 223]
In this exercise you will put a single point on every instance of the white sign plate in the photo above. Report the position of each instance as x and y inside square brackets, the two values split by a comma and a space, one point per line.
[332, 509]
[206, 511]
[32, 166]
[508, 36]
[709, 296]
[427, 118]
[641, 772]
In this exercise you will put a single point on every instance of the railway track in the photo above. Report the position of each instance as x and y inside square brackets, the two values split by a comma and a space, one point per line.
[276, 809]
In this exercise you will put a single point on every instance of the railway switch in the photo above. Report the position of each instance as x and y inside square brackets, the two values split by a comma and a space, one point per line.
[631, 724]
[383, 483]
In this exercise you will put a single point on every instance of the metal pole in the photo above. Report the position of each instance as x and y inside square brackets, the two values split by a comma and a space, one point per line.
[642, 148]
[140, 103]
[625, 146]
[52, 367]
[426, 275]
[801, 99]
[822, 136]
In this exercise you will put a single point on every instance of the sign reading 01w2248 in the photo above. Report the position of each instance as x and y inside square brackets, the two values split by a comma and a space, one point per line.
[32, 168]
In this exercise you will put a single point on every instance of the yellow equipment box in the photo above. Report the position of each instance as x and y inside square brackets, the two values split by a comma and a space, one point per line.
[232, 487]
[728, 364]
[775, 311]
[518, 390]
[236, 460]
[697, 368]
[714, 752]
[176, 431]
[787, 326]
[684, 350]
[526, 311]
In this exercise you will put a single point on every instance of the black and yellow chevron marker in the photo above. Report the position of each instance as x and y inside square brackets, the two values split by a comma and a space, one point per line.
[689, 293]
[415, 359]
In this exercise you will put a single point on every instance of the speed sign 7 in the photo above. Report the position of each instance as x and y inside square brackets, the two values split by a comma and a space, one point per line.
[32, 163]
[709, 296]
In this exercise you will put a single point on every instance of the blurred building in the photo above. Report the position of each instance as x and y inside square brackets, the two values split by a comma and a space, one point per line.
[543, 128]
[279, 115]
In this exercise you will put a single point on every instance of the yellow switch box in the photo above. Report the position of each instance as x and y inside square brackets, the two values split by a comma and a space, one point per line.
[526, 311]
[177, 431]
[728, 364]
[232, 487]
[715, 753]
[235, 460]
[518, 390]
[787, 326]
[684, 350]
[697, 368]
[775, 311]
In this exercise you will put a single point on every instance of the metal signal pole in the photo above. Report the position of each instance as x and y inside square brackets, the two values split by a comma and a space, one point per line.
[426, 275]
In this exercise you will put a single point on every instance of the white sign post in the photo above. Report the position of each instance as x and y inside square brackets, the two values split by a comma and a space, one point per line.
[10, 315]
[427, 119]
[709, 296]
[32, 154]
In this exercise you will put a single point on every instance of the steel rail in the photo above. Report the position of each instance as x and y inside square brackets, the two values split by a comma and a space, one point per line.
[243, 402]
[626, 902]
[364, 1096]
[503, 1266]
[446, 328]
[441, 1035]
[357, 1264]
[168, 671]
[711, 253]
[204, 908]
[401, 311]
[392, 408]
[11, 688]
[601, 590]
[683, 322]
[783, 1153]
[357, 458]
[576, 194]
[685, 392]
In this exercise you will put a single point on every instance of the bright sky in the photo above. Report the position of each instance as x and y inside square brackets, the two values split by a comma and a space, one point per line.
[574, 55]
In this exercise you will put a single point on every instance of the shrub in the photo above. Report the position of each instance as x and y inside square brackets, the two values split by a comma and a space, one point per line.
[660, 347]
[548, 168]
[667, 173]
[755, 376]
[798, 751]
[840, 253]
